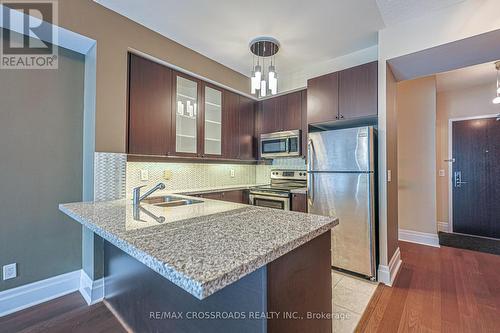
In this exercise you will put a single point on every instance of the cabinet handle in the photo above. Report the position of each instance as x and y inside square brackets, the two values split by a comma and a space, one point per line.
[336, 117]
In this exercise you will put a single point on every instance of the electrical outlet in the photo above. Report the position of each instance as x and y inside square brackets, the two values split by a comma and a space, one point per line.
[389, 176]
[442, 173]
[167, 174]
[232, 173]
[144, 175]
[9, 271]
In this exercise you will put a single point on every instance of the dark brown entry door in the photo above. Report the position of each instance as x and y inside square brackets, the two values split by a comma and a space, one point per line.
[476, 177]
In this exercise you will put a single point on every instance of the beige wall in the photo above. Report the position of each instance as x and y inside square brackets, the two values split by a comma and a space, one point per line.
[115, 34]
[467, 102]
[392, 165]
[416, 149]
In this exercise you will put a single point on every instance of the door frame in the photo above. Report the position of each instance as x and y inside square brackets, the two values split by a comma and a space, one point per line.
[450, 164]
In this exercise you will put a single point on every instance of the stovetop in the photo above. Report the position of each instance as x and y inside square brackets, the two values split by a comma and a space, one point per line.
[280, 187]
[285, 181]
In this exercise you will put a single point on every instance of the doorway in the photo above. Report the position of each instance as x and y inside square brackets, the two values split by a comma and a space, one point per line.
[474, 176]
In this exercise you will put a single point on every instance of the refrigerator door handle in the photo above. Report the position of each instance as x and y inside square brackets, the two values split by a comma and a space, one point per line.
[310, 180]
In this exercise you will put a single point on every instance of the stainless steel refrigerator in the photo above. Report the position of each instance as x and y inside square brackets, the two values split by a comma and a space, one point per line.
[341, 183]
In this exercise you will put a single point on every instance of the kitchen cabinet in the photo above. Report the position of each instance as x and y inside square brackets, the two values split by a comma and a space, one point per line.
[281, 113]
[299, 202]
[269, 115]
[247, 129]
[231, 128]
[185, 122]
[346, 95]
[323, 99]
[291, 115]
[149, 107]
[358, 95]
[237, 196]
[212, 120]
[174, 114]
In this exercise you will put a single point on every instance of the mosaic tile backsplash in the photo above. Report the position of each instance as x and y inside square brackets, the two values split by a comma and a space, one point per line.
[191, 176]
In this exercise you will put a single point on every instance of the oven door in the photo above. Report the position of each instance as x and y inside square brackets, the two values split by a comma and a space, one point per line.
[269, 201]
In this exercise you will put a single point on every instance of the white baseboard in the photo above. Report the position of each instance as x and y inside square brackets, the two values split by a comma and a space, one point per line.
[23, 297]
[387, 274]
[92, 291]
[443, 226]
[19, 298]
[418, 237]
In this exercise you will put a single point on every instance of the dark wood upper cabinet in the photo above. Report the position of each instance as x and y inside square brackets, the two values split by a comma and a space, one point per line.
[149, 107]
[269, 118]
[358, 96]
[247, 128]
[323, 98]
[231, 128]
[291, 115]
[173, 113]
[186, 121]
[281, 113]
[211, 117]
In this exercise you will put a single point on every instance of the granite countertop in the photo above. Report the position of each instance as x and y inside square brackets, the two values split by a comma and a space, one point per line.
[202, 247]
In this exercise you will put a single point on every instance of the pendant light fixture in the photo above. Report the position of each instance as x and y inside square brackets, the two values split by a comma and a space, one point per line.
[496, 100]
[264, 48]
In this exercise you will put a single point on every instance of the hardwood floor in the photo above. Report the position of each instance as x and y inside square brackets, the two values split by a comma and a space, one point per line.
[438, 290]
[66, 314]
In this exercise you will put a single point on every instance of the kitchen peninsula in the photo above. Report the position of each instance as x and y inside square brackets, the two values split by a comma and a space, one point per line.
[219, 266]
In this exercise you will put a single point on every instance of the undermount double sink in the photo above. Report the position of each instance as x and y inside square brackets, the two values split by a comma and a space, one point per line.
[170, 201]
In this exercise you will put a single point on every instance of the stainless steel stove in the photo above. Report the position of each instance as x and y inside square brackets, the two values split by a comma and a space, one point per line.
[278, 193]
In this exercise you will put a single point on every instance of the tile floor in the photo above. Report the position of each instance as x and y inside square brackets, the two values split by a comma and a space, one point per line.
[351, 295]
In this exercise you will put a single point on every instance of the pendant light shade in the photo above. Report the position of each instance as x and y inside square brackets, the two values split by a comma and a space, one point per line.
[273, 80]
[263, 88]
[496, 100]
[262, 83]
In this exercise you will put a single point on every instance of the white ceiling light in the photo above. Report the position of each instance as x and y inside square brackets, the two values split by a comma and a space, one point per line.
[264, 48]
[496, 100]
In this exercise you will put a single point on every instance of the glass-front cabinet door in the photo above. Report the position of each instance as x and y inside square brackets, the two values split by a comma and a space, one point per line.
[186, 116]
[213, 121]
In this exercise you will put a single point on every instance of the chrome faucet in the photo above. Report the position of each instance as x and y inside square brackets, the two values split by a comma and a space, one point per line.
[137, 192]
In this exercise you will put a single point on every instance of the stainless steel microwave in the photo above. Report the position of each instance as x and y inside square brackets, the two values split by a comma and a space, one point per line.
[280, 144]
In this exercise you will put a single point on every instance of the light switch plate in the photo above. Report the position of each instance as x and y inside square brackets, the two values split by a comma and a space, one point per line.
[144, 175]
[232, 173]
[9, 271]
[442, 173]
[389, 175]
[167, 174]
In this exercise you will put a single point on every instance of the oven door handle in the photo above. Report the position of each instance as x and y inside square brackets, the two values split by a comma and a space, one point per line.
[284, 200]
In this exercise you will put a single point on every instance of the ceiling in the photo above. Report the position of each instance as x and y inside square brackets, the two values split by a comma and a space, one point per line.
[467, 77]
[309, 32]
[394, 11]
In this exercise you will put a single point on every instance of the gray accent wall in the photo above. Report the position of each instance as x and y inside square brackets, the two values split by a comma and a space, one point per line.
[41, 148]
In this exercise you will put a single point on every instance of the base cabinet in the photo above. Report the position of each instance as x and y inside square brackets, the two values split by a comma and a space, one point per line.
[299, 202]
[236, 196]
[292, 287]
